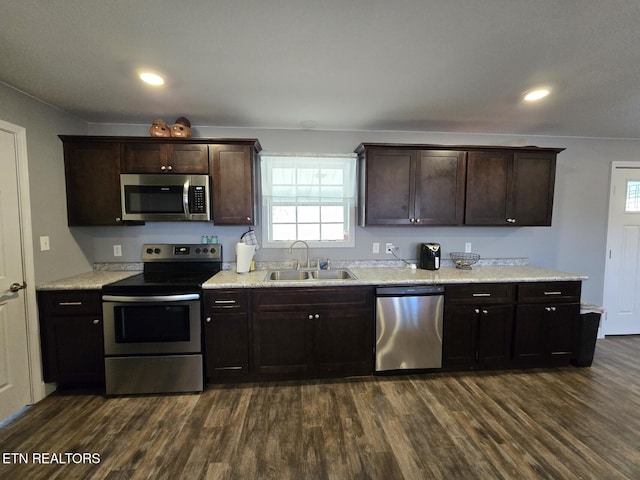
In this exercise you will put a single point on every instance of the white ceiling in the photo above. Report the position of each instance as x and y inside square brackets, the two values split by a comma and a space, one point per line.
[437, 65]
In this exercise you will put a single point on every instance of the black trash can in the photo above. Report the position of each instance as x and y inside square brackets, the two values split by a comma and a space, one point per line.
[586, 335]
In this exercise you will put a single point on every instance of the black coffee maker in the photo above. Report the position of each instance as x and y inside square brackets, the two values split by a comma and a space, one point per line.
[430, 256]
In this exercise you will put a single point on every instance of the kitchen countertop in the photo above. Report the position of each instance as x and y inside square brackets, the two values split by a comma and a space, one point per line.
[93, 280]
[401, 276]
[365, 276]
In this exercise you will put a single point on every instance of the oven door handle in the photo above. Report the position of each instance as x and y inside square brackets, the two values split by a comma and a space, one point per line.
[151, 298]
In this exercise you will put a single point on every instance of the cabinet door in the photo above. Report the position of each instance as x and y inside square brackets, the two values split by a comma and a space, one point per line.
[282, 342]
[92, 175]
[488, 175]
[344, 341]
[390, 187]
[143, 158]
[459, 338]
[231, 168]
[561, 327]
[226, 342]
[440, 187]
[494, 336]
[544, 334]
[162, 157]
[226, 332]
[77, 350]
[531, 189]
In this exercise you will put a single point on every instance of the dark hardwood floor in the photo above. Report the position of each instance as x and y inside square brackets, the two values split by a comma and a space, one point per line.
[570, 423]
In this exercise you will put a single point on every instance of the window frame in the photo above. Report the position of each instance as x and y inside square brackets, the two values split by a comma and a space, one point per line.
[348, 203]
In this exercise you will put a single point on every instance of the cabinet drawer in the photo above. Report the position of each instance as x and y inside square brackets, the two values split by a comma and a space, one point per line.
[545, 292]
[225, 301]
[282, 299]
[480, 293]
[72, 302]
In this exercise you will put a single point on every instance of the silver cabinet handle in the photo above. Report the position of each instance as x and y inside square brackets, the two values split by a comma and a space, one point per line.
[96, 321]
[481, 294]
[69, 304]
[208, 320]
[485, 312]
[477, 310]
[511, 220]
[223, 302]
[553, 293]
[550, 309]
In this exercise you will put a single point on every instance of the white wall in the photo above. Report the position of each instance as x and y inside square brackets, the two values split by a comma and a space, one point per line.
[69, 254]
[575, 242]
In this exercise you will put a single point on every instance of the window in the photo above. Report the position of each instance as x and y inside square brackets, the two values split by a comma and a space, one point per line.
[308, 197]
[633, 196]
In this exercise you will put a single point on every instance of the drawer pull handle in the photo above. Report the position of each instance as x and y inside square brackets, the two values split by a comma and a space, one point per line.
[69, 304]
[553, 293]
[224, 302]
[481, 294]
[96, 321]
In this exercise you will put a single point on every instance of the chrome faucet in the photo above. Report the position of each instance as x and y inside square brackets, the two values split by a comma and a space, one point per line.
[306, 245]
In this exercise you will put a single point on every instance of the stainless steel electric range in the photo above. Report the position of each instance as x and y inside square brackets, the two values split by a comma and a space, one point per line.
[152, 321]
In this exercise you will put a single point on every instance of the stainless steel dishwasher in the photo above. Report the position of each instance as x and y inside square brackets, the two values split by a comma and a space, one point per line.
[409, 327]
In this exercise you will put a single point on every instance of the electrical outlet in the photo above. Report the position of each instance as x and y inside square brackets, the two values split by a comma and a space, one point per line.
[44, 244]
[389, 248]
[467, 247]
[117, 250]
[375, 248]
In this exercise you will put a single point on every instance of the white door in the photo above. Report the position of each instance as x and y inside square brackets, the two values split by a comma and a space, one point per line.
[15, 383]
[622, 270]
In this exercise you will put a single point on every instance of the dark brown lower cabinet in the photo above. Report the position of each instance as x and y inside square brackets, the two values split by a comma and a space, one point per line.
[226, 333]
[546, 321]
[313, 331]
[71, 337]
[544, 335]
[478, 325]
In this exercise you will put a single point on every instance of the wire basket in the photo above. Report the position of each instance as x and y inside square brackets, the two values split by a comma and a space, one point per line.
[464, 260]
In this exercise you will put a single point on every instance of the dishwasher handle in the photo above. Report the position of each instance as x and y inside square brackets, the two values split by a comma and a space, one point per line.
[410, 291]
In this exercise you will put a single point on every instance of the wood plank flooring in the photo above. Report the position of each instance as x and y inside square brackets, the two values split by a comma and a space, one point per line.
[570, 423]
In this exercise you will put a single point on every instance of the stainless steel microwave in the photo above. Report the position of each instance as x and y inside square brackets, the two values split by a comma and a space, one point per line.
[165, 197]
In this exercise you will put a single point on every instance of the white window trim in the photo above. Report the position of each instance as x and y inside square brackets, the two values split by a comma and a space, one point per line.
[266, 215]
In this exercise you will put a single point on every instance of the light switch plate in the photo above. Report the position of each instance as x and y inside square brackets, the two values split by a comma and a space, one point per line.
[117, 250]
[44, 244]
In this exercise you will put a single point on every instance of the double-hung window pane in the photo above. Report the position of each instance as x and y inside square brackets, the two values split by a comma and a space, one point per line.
[309, 198]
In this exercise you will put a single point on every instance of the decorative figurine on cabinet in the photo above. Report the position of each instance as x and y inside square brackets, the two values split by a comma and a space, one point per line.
[182, 128]
[159, 128]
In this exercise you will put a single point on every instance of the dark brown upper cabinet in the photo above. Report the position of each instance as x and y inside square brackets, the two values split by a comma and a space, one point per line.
[411, 187]
[401, 184]
[93, 166]
[510, 188]
[167, 157]
[92, 176]
[232, 170]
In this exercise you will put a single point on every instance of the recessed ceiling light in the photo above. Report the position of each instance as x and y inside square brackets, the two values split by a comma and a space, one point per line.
[151, 78]
[535, 95]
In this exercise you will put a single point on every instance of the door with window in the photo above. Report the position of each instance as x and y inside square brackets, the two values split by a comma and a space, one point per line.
[622, 269]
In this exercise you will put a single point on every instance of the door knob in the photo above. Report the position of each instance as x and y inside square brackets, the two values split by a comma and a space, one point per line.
[16, 287]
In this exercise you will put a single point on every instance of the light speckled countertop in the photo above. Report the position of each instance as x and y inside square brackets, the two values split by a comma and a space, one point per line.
[365, 276]
[87, 281]
[401, 276]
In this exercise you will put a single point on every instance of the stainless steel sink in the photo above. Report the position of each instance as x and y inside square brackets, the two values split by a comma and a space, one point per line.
[298, 275]
[340, 274]
[287, 275]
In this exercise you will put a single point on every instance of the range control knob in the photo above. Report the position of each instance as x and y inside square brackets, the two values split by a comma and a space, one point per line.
[156, 250]
[149, 251]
